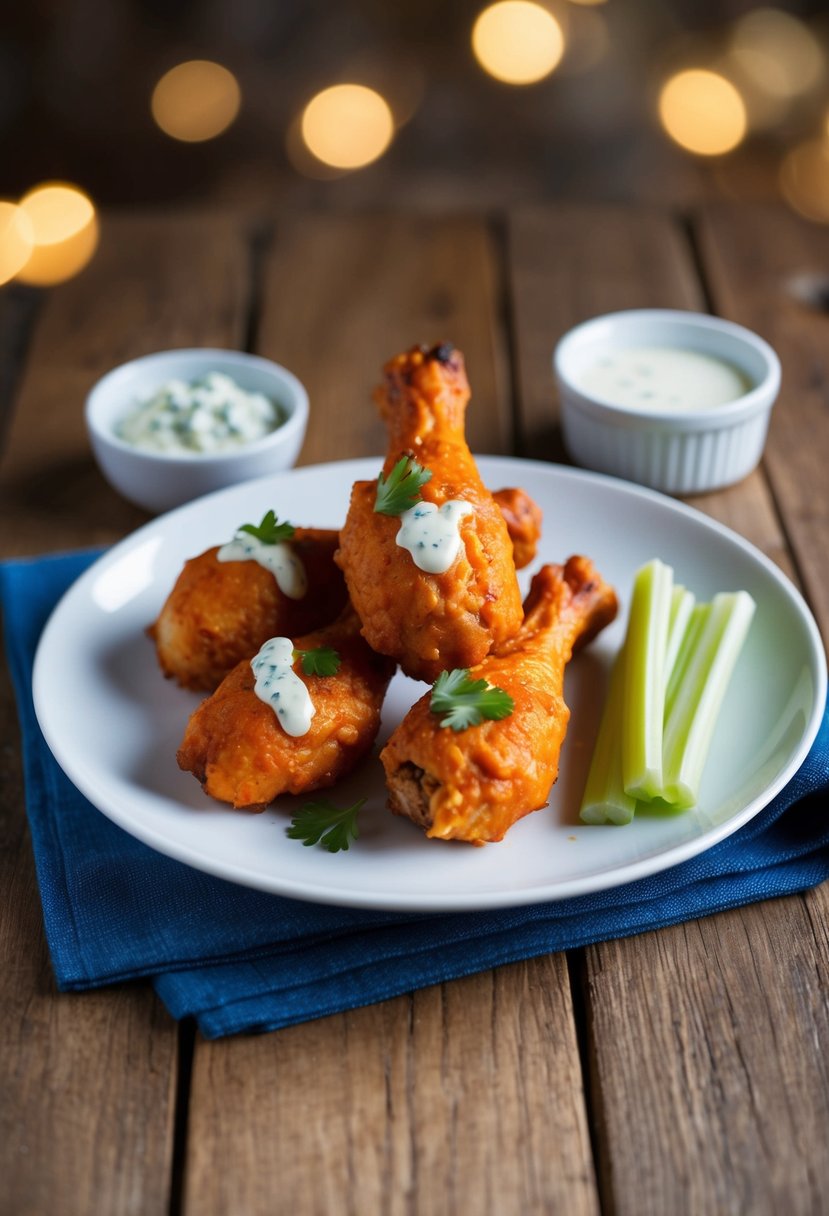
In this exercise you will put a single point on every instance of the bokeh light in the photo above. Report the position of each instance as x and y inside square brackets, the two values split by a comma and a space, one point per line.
[15, 240]
[778, 53]
[196, 101]
[702, 112]
[804, 179]
[517, 41]
[347, 126]
[64, 231]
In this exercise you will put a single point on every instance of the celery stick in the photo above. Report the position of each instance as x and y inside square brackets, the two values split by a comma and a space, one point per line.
[690, 724]
[645, 647]
[682, 605]
[699, 615]
[604, 799]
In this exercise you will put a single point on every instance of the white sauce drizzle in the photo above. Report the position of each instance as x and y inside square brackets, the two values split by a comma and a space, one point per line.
[432, 535]
[280, 559]
[278, 685]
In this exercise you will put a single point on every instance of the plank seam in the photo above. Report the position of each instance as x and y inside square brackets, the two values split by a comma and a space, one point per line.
[181, 1113]
[505, 319]
[576, 961]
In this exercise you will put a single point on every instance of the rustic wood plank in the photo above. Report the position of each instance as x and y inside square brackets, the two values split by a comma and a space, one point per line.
[471, 1090]
[342, 294]
[154, 284]
[707, 1079]
[445, 1101]
[88, 1081]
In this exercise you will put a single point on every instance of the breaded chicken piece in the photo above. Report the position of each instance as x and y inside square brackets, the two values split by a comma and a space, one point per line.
[475, 783]
[234, 743]
[522, 515]
[429, 622]
[221, 612]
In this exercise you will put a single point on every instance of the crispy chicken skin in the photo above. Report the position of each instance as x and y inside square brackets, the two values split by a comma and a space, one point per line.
[523, 519]
[429, 622]
[221, 612]
[236, 748]
[474, 784]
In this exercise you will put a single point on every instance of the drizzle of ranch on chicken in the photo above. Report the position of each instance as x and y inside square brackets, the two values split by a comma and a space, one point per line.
[432, 534]
[280, 559]
[278, 685]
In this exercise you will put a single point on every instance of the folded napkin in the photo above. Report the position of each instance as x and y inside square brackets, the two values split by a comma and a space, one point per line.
[238, 960]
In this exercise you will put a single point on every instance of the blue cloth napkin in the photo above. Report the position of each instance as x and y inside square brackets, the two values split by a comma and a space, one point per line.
[238, 960]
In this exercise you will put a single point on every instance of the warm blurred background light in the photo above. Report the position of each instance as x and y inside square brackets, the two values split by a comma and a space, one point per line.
[702, 112]
[196, 101]
[64, 230]
[778, 53]
[77, 101]
[517, 41]
[804, 179]
[15, 240]
[347, 126]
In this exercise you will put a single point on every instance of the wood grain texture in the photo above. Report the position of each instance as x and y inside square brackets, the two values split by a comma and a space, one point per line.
[465, 1098]
[342, 294]
[462, 1098]
[88, 1081]
[708, 1083]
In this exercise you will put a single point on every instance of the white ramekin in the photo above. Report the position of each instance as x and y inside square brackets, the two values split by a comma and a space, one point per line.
[679, 452]
[158, 481]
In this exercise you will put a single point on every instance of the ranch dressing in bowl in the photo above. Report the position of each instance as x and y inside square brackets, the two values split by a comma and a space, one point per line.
[662, 378]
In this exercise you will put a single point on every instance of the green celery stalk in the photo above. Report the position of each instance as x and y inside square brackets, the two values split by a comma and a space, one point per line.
[693, 631]
[645, 646]
[690, 724]
[682, 605]
[604, 799]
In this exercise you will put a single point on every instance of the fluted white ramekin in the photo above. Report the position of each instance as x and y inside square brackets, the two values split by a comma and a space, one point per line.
[680, 451]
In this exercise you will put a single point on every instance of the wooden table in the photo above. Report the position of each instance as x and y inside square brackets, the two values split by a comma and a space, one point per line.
[681, 1071]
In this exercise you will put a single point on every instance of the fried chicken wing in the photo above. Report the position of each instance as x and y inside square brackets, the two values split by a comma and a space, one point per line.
[430, 621]
[220, 612]
[522, 515]
[234, 743]
[474, 784]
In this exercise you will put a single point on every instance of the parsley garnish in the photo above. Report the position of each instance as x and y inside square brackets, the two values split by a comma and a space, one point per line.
[402, 488]
[466, 702]
[323, 823]
[321, 661]
[270, 531]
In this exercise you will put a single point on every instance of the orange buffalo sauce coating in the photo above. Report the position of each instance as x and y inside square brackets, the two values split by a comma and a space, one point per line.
[474, 784]
[430, 622]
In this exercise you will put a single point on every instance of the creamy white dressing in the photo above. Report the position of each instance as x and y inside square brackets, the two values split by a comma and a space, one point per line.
[663, 378]
[212, 414]
[278, 685]
[280, 559]
[432, 534]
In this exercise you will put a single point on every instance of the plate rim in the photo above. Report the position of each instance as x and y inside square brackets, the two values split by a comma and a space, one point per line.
[329, 893]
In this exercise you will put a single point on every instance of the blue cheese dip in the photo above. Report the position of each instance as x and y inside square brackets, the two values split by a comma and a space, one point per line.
[278, 685]
[212, 414]
[432, 535]
[663, 378]
[280, 559]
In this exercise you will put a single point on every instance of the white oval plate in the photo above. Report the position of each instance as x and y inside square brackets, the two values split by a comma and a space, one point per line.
[114, 724]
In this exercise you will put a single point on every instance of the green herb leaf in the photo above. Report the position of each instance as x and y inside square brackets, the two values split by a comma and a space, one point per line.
[270, 531]
[321, 661]
[402, 488]
[466, 702]
[323, 823]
